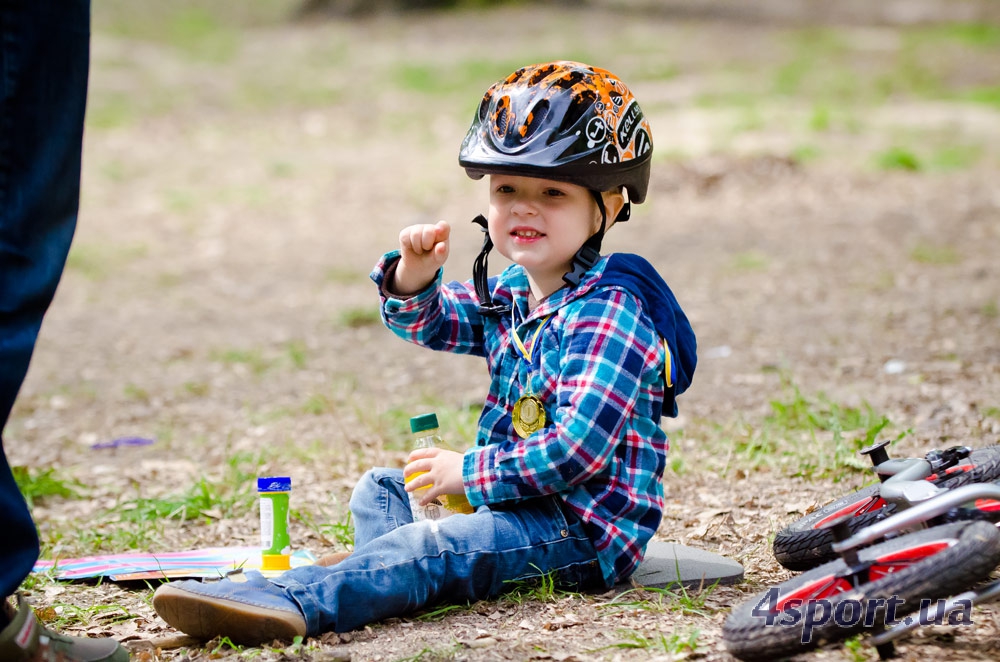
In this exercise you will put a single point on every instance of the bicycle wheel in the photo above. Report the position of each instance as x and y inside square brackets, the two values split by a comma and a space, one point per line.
[805, 544]
[823, 605]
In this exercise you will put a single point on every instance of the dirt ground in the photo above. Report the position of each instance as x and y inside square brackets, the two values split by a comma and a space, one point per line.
[217, 301]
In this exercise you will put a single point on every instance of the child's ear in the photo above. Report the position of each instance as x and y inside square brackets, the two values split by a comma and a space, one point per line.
[614, 200]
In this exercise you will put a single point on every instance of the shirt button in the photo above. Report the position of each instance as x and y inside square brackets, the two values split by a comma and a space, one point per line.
[564, 533]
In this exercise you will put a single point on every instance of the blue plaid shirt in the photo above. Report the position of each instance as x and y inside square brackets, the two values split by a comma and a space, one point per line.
[598, 369]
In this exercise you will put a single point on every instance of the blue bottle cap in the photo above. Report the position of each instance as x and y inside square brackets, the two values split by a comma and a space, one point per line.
[274, 484]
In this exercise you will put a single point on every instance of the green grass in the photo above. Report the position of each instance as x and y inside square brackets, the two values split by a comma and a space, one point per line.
[186, 23]
[976, 35]
[359, 317]
[201, 35]
[987, 95]
[662, 600]
[956, 156]
[63, 615]
[137, 522]
[934, 254]
[749, 261]
[37, 485]
[136, 393]
[318, 404]
[331, 529]
[542, 588]
[442, 612]
[111, 111]
[342, 275]
[392, 425]
[898, 158]
[253, 359]
[676, 643]
[225, 644]
[98, 262]
[297, 353]
[809, 436]
[823, 79]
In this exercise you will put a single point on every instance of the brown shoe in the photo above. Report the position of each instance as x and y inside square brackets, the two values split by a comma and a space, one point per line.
[26, 640]
[244, 607]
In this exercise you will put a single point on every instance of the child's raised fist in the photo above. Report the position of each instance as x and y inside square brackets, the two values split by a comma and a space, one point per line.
[423, 249]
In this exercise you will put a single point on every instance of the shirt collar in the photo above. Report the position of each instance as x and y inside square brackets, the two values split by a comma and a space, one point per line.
[519, 290]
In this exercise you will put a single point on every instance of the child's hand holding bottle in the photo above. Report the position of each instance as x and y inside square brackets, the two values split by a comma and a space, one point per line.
[439, 473]
[423, 250]
[433, 473]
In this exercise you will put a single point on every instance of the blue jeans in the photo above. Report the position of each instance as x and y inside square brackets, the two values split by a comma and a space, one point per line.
[44, 62]
[400, 566]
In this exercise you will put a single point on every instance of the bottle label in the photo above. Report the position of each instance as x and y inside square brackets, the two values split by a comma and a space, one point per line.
[266, 523]
[274, 536]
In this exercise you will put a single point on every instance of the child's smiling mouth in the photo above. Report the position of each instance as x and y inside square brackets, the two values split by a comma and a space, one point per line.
[526, 234]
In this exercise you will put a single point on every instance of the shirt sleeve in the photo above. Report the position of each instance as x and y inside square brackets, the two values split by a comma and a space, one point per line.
[442, 316]
[607, 350]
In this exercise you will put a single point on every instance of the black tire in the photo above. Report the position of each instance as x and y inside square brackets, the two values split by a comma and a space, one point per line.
[805, 544]
[929, 564]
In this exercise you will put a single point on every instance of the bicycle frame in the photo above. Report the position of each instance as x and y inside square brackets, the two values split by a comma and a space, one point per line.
[937, 504]
[916, 516]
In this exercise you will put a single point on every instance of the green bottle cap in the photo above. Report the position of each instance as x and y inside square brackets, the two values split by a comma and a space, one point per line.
[423, 422]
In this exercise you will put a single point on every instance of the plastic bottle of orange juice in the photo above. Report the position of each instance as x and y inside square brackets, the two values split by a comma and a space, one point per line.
[425, 428]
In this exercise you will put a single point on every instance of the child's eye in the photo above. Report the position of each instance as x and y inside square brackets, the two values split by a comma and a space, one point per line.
[554, 193]
[505, 188]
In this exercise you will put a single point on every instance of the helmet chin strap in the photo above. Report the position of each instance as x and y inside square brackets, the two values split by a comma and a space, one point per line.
[590, 252]
[480, 274]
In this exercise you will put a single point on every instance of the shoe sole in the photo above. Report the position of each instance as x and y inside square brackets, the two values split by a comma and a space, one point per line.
[205, 617]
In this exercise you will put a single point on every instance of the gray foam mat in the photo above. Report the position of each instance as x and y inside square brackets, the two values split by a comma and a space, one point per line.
[668, 563]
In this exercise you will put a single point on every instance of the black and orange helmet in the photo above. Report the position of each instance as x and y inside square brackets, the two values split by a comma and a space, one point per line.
[565, 121]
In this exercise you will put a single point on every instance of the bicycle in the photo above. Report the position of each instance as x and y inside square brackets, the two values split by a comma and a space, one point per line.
[872, 582]
[807, 542]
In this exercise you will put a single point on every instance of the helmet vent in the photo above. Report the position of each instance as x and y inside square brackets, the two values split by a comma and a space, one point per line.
[501, 119]
[581, 105]
[568, 80]
[484, 106]
[535, 119]
[541, 73]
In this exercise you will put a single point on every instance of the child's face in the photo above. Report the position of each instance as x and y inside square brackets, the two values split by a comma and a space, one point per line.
[541, 224]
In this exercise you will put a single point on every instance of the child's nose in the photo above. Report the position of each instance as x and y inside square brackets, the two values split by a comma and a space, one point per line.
[523, 205]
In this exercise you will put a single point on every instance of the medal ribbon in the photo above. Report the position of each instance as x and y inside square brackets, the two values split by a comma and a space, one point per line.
[528, 415]
[524, 351]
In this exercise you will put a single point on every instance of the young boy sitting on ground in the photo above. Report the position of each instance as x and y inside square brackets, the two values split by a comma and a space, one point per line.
[585, 354]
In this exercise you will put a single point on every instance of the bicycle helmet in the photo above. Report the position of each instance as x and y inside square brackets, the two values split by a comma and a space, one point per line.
[565, 121]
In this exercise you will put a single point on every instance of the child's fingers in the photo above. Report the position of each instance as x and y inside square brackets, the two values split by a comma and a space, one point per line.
[441, 248]
[411, 239]
[443, 230]
[421, 481]
[425, 238]
[422, 454]
[415, 466]
[428, 237]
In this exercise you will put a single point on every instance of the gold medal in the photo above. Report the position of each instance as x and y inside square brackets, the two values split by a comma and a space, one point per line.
[529, 412]
[528, 416]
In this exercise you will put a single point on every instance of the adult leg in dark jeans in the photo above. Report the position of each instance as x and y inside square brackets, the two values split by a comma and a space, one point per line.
[44, 63]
